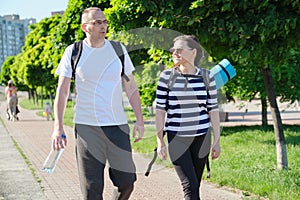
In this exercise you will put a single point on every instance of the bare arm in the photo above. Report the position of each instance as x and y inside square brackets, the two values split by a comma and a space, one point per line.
[215, 123]
[134, 100]
[62, 93]
[160, 123]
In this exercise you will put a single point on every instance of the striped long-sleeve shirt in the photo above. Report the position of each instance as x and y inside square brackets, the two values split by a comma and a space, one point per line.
[188, 103]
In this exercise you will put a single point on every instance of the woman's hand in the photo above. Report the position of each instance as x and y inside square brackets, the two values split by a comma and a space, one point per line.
[215, 151]
[162, 151]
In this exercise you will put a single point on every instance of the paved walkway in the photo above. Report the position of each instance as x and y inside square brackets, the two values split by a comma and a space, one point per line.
[32, 136]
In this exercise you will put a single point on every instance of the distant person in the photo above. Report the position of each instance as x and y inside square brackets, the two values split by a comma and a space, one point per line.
[12, 100]
[186, 110]
[48, 111]
[101, 129]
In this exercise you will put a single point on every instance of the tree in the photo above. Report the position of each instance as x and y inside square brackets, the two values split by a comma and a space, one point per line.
[5, 70]
[37, 61]
[259, 33]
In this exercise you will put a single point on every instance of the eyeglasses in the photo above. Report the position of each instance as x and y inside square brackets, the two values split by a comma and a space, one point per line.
[98, 22]
[178, 50]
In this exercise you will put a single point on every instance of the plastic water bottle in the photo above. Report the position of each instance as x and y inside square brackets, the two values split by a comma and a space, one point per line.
[51, 160]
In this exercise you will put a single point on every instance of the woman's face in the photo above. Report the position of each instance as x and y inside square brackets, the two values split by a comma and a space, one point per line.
[182, 53]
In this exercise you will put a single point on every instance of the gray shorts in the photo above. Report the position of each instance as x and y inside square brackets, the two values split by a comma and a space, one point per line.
[108, 143]
[97, 146]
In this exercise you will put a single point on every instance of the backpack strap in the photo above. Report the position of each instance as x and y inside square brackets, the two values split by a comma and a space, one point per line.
[77, 50]
[76, 53]
[205, 75]
[172, 78]
[119, 51]
[170, 84]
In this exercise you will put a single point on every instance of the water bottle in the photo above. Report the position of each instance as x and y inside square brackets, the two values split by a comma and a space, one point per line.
[52, 158]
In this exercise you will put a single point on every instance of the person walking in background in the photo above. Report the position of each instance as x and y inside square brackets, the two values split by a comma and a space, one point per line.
[101, 128]
[12, 100]
[48, 111]
[191, 109]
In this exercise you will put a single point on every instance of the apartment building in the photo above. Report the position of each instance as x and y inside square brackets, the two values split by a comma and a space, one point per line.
[13, 31]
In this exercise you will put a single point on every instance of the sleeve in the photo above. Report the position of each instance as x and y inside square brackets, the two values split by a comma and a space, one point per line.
[64, 67]
[212, 100]
[128, 65]
[162, 90]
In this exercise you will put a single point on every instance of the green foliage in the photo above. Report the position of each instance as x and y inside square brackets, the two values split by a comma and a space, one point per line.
[148, 83]
[287, 76]
[5, 70]
[251, 35]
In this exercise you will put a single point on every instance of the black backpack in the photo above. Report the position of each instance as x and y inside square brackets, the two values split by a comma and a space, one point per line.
[77, 50]
[174, 74]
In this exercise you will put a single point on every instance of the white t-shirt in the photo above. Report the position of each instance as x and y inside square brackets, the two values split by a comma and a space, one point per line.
[98, 84]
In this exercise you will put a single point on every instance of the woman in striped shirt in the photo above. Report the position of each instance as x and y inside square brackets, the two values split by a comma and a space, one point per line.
[190, 103]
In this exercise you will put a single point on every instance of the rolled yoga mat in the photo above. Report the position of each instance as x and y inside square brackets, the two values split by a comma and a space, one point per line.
[223, 72]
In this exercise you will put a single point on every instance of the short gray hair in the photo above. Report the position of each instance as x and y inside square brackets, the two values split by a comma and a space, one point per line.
[85, 13]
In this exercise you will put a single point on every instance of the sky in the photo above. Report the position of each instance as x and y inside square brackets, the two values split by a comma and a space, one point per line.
[37, 9]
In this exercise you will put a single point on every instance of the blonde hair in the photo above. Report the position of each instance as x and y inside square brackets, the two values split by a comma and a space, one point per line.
[86, 12]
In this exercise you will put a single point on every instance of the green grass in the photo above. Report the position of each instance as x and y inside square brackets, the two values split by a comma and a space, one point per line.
[247, 161]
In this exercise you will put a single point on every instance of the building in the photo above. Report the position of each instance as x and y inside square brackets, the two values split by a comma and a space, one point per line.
[13, 31]
[58, 13]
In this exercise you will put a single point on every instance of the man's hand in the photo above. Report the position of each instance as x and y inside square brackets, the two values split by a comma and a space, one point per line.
[140, 130]
[59, 140]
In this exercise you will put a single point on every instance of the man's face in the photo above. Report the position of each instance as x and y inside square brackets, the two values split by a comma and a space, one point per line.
[95, 24]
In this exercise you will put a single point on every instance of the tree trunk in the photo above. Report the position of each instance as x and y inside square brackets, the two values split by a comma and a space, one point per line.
[32, 95]
[264, 111]
[282, 162]
[42, 97]
[36, 97]
[51, 99]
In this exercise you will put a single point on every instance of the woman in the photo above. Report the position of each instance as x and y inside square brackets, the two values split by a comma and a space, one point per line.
[191, 109]
[12, 100]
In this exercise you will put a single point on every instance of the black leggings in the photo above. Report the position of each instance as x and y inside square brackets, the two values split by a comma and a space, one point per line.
[189, 155]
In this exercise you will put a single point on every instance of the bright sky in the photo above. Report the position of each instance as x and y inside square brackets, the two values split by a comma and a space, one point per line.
[37, 9]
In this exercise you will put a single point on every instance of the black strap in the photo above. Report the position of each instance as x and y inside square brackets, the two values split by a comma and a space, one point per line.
[119, 51]
[76, 53]
[77, 50]
[151, 163]
[171, 81]
[205, 75]
[226, 72]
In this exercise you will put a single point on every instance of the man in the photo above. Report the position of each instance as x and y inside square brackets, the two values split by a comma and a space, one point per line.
[101, 128]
